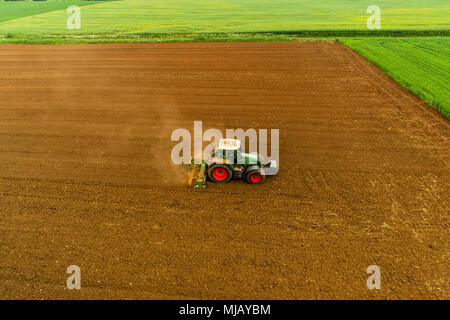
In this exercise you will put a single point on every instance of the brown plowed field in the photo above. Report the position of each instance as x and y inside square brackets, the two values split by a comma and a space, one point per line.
[85, 175]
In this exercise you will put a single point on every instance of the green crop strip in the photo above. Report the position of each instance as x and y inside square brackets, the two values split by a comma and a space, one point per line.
[422, 65]
[10, 10]
[139, 17]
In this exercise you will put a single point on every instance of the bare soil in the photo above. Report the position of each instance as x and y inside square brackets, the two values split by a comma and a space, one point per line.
[86, 176]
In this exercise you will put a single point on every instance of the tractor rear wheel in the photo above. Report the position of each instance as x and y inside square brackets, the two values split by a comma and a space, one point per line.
[220, 173]
[255, 176]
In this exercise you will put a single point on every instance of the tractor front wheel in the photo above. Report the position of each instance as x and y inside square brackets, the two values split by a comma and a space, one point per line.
[220, 173]
[255, 177]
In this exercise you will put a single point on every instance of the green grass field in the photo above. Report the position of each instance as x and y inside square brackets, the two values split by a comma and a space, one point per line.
[10, 10]
[420, 65]
[134, 17]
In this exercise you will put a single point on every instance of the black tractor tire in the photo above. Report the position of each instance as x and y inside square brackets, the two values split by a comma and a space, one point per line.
[220, 173]
[255, 176]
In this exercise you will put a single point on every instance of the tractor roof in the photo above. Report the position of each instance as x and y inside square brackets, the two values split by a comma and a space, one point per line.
[229, 144]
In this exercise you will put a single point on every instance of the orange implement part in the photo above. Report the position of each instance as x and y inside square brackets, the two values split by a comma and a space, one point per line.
[196, 174]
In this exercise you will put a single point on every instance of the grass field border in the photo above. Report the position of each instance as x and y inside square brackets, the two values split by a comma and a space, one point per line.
[212, 37]
[420, 91]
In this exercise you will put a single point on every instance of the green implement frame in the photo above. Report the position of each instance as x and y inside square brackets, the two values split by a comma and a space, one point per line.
[196, 174]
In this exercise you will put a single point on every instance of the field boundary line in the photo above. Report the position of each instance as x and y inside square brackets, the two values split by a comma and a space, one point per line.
[436, 117]
[380, 74]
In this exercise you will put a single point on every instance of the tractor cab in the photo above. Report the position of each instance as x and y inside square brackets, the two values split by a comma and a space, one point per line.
[229, 152]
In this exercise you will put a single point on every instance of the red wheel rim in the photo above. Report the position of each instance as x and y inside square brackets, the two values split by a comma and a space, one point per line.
[255, 177]
[220, 174]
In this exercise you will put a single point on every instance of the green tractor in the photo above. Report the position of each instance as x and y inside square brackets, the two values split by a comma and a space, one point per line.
[227, 162]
